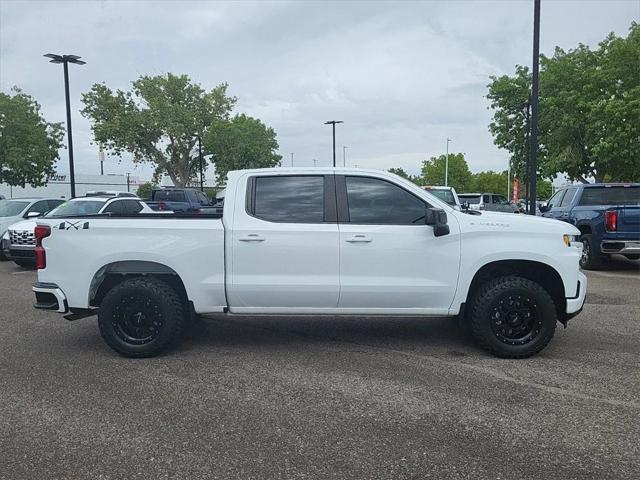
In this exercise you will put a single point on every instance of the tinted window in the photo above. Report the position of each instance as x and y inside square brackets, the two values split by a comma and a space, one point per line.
[486, 199]
[500, 199]
[54, 203]
[470, 199]
[115, 207]
[130, 207]
[380, 202]
[40, 207]
[290, 199]
[610, 196]
[556, 199]
[204, 200]
[568, 197]
[10, 208]
[444, 195]
[169, 196]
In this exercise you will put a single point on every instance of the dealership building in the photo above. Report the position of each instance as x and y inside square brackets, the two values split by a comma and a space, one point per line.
[59, 186]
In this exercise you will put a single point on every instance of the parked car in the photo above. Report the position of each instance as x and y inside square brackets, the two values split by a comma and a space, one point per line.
[21, 240]
[15, 209]
[322, 241]
[178, 199]
[491, 202]
[607, 215]
[446, 194]
[110, 193]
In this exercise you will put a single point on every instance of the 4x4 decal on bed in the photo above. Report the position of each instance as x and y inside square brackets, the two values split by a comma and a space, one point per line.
[75, 225]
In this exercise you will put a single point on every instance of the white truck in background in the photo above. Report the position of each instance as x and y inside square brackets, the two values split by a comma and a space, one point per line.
[313, 241]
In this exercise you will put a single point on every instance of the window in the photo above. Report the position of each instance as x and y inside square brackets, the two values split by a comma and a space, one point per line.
[130, 207]
[40, 207]
[115, 207]
[378, 202]
[204, 200]
[486, 198]
[444, 195]
[618, 195]
[53, 204]
[470, 199]
[555, 200]
[289, 199]
[11, 208]
[568, 197]
[77, 207]
[169, 196]
[500, 199]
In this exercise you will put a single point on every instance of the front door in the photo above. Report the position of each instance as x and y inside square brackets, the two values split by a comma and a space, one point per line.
[284, 245]
[390, 261]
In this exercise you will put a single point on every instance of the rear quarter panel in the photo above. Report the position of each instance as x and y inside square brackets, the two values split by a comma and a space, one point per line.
[193, 248]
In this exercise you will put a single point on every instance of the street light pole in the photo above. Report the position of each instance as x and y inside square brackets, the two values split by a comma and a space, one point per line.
[201, 164]
[292, 159]
[446, 166]
[344, 155]
[533, 139]
[65, 60]
[333, 124]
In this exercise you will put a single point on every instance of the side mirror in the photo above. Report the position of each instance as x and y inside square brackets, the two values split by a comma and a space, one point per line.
[464, 205]
[438, 219]
[543, 207]
[32, 215]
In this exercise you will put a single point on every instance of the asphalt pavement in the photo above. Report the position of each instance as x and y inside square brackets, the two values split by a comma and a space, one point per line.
[321, 398]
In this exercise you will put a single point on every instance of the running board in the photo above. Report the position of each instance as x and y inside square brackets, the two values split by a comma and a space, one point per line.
[80, 313]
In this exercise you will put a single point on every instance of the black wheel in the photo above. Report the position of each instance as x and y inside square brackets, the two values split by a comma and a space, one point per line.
[632, 256]
[512, 317]
[591, 258]
[3, 257]
[141, 317]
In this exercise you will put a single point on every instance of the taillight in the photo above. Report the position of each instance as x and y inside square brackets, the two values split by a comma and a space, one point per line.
[41, 231]
[611, 220]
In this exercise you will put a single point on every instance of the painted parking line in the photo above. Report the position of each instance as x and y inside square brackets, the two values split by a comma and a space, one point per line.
[614, 275]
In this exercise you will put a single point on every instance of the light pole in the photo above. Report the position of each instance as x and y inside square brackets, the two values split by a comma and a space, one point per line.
[292, 159]
[201, 164]
[533, 139]
[344, 155]
[333, 124]
[315, 162]
[446, 165]
[65, 60]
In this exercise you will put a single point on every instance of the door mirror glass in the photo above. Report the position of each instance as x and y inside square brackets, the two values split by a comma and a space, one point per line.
[437, 218]
[543, 207]
[33, 214]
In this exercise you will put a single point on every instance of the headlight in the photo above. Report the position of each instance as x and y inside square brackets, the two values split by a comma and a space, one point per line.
[571, 240]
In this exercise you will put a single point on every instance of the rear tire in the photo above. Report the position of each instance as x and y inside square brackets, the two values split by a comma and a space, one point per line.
[142, 317]
[591, 258]
[512, 317]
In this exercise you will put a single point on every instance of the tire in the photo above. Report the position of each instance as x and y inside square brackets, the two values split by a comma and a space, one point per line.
[142, 317]
[633, 256]
[512, 317]
[591, 258]
[3, 257]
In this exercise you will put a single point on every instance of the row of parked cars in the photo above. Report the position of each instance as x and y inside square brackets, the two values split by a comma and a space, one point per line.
[607, 215]
[18, 215]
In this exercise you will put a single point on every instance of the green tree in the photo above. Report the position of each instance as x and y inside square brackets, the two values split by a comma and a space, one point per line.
[491, 182]
[242, 142]
[29, 144]
[460, 178]
[159, 121]
[401, 172]
[589, 123]
[144, 190]
[544, 189]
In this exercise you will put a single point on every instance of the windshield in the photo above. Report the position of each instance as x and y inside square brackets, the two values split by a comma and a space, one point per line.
[471, 199]
[11, 208]
[444, 195]
[80, 207]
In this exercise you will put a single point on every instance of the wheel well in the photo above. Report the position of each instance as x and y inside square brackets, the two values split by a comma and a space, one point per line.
[541, 273]
[584, 229]
[114, 273]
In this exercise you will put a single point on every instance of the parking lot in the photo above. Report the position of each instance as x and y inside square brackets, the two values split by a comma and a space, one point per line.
[321, 398]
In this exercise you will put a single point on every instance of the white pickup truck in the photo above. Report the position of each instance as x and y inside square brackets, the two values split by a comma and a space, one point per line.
[313, 241]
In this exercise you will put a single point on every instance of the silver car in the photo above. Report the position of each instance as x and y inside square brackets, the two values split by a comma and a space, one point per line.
[491, 202]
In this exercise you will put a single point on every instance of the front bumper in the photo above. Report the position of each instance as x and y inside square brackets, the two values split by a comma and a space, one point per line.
[623, 247]
[575, 303]
[50, 297]
[25, 255]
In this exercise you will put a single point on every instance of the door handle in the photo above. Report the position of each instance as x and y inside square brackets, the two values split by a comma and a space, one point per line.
[252, 237]
[359, 239]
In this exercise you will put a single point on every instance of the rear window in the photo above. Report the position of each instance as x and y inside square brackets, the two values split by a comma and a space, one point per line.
[78, 207]
[289, 199]
[9, 208]
[471, 199]
[596, 196]
[169, 196]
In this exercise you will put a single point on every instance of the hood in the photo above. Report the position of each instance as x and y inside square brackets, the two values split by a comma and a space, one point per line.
[28, 225]
[511, 222]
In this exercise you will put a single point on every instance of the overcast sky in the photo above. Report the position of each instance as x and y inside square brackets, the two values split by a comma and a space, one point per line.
[402, 75]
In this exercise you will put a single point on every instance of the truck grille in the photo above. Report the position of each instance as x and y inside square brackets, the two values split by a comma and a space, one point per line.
[22, 238]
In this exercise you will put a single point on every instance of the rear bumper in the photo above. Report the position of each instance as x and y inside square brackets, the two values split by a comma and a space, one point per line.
[621, 246]
[575, 304]
[50, 297]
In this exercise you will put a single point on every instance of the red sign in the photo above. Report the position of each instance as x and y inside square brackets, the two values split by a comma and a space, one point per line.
[516, 184]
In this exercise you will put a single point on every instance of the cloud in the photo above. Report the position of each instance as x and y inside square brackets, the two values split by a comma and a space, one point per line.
[403, 76]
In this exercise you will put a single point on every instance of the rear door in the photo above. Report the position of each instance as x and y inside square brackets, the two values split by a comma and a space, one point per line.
[390, 261]
[284, 245]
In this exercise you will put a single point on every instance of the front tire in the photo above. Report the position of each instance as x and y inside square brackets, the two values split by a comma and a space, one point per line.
[141, 317]
[512, 317]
